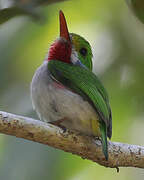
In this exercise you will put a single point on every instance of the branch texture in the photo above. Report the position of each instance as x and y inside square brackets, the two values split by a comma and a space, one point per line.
[120, 155]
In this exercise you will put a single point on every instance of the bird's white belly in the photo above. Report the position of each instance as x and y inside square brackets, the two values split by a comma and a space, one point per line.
[54, 102]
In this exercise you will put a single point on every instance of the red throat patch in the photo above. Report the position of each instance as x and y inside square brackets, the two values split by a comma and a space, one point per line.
[60, 50]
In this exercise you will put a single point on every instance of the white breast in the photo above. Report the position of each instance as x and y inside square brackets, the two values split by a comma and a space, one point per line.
[53, 102]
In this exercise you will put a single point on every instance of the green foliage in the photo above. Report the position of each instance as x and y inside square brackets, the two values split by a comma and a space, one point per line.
[21, 8]
[138, 8]
[8, 13]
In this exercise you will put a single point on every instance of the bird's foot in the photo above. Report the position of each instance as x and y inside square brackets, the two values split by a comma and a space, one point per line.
[97, 138]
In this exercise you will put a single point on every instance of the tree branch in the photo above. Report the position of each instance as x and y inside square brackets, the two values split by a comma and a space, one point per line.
[120, 155]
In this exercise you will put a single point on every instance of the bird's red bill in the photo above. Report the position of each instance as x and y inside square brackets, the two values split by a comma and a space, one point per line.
[63, 27]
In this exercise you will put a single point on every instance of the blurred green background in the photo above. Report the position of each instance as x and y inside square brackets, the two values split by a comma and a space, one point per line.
[117, 39]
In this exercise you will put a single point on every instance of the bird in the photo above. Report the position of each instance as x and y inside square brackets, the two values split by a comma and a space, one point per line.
[65, 92]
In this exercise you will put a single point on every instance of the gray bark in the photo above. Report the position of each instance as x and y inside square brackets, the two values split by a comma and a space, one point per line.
[120, 154]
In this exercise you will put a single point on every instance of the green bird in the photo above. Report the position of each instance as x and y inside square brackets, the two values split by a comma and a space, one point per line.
[66, 92]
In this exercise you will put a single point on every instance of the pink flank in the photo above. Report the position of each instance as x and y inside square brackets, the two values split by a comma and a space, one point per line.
[58, 85]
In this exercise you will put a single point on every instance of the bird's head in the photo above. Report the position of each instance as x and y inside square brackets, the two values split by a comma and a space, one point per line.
[70, 48]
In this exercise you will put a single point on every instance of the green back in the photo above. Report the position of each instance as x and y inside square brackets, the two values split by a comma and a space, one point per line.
[85, 83]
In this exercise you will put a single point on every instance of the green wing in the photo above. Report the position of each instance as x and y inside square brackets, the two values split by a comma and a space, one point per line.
[85, 83]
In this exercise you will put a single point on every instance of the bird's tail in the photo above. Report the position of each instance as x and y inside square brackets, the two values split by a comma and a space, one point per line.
[103, 130]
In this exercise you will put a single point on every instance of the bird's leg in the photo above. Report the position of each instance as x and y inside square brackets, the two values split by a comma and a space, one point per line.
[58, 123]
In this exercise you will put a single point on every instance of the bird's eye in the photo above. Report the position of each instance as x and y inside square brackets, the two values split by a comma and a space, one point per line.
[83, 51]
